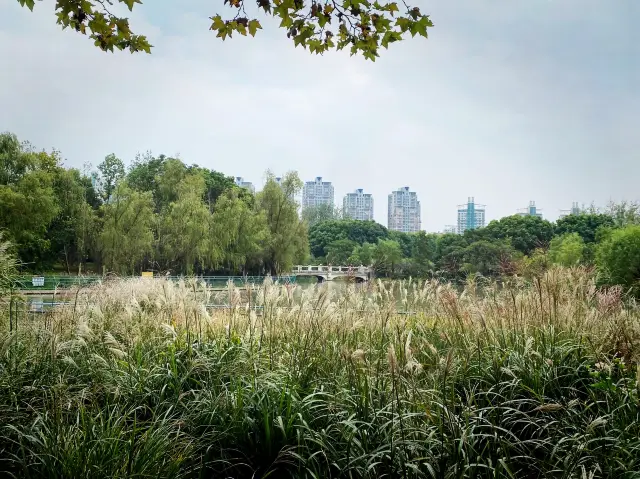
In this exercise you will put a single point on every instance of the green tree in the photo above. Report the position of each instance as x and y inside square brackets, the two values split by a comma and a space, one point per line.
[172, 173]
[449, 253]
[325, 232]
[485, 257]
[111, 171]
[71, 232]
[386, 256]
[405, 240]
[240, 233]
[618, 258]
[567, 250]
[319, 26]
[126, 239]
[586, 225]
[288, 240]
[339, 251]
[361, 255]
[15, 161]
[525, 233]
[28, 199]
[624, 213]
[144, 172]
[423, 254]
[183, 232]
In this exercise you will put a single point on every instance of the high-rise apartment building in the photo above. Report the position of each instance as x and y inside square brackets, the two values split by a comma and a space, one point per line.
[575, 210]
[316, 193]
[470, 216]
[532, 210]
[404, 211]
[358, 205]
[245, 184]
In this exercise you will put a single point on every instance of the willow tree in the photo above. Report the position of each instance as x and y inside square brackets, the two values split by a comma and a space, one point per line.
[127, 236]
[288, 242]
[240, 232]
[183, 232]
[319, 25]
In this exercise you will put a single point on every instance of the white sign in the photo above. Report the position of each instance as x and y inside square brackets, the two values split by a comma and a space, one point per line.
[37, 280]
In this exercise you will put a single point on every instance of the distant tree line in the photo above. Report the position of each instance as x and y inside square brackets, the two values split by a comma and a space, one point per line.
[163, 215]
[522, 245]
[160, 214]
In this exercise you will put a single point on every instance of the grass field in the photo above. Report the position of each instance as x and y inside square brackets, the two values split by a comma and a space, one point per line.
[137, 379]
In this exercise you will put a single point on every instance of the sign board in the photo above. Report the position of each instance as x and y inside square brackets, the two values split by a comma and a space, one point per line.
[147, 274]
[37, 280]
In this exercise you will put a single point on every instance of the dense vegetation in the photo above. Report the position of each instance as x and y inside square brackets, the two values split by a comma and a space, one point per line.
[137, 378]
[162, 215]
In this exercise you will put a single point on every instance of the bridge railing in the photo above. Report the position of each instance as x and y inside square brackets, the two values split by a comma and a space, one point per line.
[319, 269]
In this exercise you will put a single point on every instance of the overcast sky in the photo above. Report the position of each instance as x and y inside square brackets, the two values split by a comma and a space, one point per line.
[506, 101]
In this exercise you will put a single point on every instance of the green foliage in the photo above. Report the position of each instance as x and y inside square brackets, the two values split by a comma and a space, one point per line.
[325, 232]
[526, 233]
[288, 240]
[183, 232]
[567, 250]
[112, 171]
[624, 213]
[126, 239]
[72, 232]
[386, 257]
[618, 258]
[361, 255]
[93, 17]
[340, 251]
[405, 240]
[486, 258]
[28, 199]
[241, 233]
[586, 225]
[361, 25]
[423, 254]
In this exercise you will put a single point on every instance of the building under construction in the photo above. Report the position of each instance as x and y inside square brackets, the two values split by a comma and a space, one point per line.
[532, 210]
[575, 210]
[470, 216]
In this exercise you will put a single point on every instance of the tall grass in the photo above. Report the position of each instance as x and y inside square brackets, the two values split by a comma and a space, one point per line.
[405, 379]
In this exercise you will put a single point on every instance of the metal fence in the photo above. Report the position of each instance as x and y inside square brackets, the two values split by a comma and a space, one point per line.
[52, 282]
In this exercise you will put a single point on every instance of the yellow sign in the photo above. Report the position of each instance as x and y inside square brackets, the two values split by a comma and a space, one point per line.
[147, 274]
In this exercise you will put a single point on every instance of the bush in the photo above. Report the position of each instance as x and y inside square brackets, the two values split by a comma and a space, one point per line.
[618, 258]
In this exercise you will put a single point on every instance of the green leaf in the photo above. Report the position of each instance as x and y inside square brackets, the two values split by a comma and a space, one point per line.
[242, 29]
[217, 23]
[29, 3]
[254, 25]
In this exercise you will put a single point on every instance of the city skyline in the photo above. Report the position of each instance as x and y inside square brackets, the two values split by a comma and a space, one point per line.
[481, 215]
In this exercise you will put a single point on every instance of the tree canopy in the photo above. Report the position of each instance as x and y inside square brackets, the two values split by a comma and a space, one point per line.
[321, 25]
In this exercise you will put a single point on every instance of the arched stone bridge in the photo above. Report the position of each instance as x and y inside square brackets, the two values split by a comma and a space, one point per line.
[329, 273]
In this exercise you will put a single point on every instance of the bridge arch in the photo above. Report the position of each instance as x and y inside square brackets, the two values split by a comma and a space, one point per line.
[329, 273]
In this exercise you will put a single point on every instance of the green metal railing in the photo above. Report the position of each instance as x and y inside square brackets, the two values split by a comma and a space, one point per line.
[52, 282]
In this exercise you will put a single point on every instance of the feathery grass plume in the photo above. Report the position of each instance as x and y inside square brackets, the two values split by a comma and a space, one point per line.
[326, 381]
